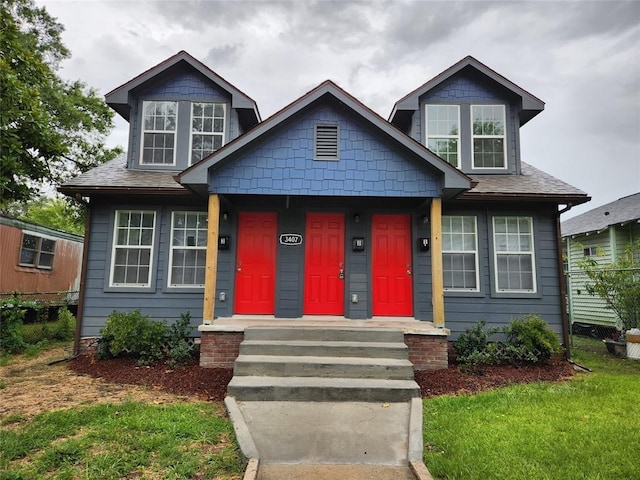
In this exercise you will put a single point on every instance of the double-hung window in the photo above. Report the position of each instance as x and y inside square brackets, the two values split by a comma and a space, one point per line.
[133, 241]
[488, 136]
[188, 249]
[514, 254]
[460, 253]
[443, 132]
[207, 129]
[159, 121]
[36, 251]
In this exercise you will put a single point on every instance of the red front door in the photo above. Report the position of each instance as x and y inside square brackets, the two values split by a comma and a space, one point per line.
[256, 263]
[324, 264]
[391, 268]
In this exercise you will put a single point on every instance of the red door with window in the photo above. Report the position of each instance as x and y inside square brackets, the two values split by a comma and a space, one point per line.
[324, 264]
[256, 263]
[391, 265]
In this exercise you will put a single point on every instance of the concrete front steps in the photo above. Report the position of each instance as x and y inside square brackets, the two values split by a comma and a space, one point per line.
[323, 364]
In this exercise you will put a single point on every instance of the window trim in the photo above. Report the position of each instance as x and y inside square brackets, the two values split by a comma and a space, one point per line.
[503, 136]
[475, 252]
[38, 251]
[143, 131]
[152, 251]
[458, 136]
[318, 157]
[192, 133]
[534, 273]
[171, 285]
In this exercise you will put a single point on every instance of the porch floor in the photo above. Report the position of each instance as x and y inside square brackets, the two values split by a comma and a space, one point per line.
[409, 325]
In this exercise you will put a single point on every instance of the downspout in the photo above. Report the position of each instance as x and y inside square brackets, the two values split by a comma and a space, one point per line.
[83, 278]
[563, 284]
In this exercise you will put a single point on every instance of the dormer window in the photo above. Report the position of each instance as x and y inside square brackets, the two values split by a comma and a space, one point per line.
[443, 132]
[207, 129]
[488, 136]
[159, 132]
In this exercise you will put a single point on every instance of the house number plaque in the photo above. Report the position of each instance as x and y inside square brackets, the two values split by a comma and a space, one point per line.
[290, 239]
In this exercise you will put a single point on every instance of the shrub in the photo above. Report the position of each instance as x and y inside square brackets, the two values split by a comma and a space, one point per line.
[473, 347]
[64, 328]
[618, 284]
[133, 334]
[533, 337]
[12, 313]
[528, 340]
[179, 351]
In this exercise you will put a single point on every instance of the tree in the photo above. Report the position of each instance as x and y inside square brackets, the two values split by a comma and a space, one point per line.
[50, 129]
[55, 212]
[618, 284]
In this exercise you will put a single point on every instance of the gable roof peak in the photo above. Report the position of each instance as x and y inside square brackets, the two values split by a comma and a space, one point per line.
[530, 105]
[118, 98]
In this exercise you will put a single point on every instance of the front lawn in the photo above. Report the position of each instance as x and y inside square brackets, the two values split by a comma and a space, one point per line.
[128, 440]
[584, 428]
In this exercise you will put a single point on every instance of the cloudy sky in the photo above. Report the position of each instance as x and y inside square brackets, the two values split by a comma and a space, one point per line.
[581, 58]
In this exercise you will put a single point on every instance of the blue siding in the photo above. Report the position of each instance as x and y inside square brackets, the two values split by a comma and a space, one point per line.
[189, 86]
[461, 88]
[464, 91]
[160, 303]
[184, 88]
[462, 310]
[284, 165]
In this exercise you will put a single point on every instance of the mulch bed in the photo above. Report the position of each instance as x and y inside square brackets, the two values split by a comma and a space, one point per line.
[211, 383]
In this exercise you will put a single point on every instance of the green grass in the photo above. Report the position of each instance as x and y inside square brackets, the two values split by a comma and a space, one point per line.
[584, 428]
[121, 441]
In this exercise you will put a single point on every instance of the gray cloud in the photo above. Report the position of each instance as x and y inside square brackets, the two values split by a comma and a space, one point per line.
[581, 57]
[223, 55]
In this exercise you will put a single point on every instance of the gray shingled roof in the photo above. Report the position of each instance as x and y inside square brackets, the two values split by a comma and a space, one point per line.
[532, 183]
[115, 176]
[623, 210]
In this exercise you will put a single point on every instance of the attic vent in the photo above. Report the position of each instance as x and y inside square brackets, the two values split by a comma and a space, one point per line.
[326, 142]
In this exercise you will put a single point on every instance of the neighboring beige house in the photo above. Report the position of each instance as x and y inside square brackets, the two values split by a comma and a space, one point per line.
[602, 233]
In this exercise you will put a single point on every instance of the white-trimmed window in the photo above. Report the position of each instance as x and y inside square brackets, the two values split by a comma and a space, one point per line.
[488, 136]
[443, 132]
[460, 253]
[188, 249]
[37, 251]
[133, 239]
[159, 121]
[207, 129]
[514, 254]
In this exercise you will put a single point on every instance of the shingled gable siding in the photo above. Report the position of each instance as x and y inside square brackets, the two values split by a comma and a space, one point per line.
[284, 165]
[162, 303]
[464, 91]
[184, 88]
[462, 309]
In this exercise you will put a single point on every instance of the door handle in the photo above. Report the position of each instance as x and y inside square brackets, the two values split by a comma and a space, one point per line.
[408, 271]
[341, 274]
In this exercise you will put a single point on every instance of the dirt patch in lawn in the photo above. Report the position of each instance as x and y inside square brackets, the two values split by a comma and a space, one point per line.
[33, 386]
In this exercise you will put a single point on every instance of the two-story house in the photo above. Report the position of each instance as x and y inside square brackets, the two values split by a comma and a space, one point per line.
[325, 211]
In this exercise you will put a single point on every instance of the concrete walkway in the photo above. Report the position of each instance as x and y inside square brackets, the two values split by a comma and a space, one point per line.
[318, 402]
[332, 440]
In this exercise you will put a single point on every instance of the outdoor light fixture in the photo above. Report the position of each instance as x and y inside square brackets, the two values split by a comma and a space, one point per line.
[425, 219]
[225, 216]
[356, 218]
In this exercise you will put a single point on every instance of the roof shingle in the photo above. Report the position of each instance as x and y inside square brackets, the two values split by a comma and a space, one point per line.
[623, 210]
[114, 175]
